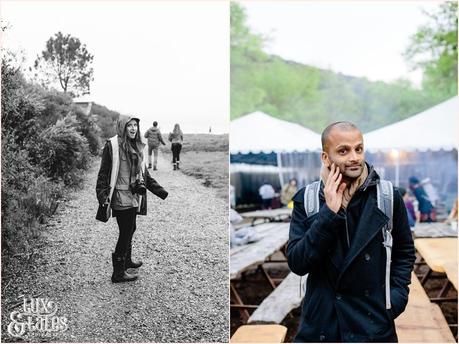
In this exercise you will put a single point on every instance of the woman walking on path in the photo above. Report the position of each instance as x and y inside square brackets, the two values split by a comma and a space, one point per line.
[121, 191]
[176, 137]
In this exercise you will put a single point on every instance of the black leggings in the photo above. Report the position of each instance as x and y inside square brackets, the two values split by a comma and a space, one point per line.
[176, 148]
[127, 225]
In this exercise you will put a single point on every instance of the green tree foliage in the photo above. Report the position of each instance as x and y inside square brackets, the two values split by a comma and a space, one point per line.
[66, 61]
[433, 49]
[311, 96]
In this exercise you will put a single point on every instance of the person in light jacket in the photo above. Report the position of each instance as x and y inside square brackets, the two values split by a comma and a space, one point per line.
[121, 187]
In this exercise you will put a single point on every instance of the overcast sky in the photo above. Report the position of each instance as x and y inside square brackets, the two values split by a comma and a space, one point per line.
[359, 38]
[164, 61]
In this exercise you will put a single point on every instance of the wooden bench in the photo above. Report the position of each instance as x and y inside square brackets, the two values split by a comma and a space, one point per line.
[259, 334]
[278, 215]
[422, 321]
[280, 302]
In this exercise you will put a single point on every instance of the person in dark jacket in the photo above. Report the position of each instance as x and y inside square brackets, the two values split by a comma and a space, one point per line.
[121, 190]
[154, 137]
[426, 208]
[341, 250]
[176, 139]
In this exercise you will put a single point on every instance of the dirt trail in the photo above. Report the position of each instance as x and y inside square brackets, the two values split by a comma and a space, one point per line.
[182, 292]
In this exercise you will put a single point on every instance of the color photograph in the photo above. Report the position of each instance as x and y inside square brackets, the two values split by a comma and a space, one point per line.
[343, 171]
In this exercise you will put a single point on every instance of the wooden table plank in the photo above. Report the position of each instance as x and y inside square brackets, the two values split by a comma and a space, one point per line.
[422, 321]
[437, 251]
[268, 214]
[280, 302]
[256, 253]
[259, 334]
[451, 272]
[433, 230]
[423, 324]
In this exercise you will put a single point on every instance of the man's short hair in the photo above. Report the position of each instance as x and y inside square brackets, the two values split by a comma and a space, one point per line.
[340, 125]
[155, 123]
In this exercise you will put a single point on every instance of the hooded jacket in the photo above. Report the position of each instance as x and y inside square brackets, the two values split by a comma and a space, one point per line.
[154, 137]
[108, 172]
[345, 292]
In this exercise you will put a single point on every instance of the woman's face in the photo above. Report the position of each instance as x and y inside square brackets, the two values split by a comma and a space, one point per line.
[131, 128]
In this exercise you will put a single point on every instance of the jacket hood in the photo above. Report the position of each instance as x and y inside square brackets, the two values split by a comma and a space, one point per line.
[121, 127]
[372, 178]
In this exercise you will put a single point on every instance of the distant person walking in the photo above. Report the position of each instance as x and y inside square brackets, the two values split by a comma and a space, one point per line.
[154, 137]
[176, 138]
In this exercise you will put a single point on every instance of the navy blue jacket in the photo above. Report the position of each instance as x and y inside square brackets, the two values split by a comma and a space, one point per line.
[345, 292]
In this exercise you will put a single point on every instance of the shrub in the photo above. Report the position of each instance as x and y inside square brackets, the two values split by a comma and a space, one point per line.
[28, 198]
[63, 152]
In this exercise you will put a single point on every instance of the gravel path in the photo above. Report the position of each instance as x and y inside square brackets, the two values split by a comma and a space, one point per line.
[182, 292]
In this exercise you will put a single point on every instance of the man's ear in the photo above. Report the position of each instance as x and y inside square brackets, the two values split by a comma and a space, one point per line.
[325, 160]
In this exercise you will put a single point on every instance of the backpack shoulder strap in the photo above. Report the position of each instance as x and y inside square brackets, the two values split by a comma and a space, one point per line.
[311, 207]
[311, 198]
[385, 196]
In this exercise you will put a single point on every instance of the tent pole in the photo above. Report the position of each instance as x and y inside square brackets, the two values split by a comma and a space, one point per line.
[279, 168]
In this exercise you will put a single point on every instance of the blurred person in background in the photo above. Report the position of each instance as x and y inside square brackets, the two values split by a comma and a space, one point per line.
[288, 191]
[267, 193]
[176, 138]
[409, 206]
[426, 207]
[154, 138]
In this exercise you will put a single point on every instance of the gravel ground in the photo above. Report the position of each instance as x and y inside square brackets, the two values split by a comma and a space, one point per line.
[181, 294]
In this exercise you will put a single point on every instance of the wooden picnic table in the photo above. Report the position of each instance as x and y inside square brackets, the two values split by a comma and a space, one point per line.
[437, 252]
[273, 236]
[270, 215]
[433, 230]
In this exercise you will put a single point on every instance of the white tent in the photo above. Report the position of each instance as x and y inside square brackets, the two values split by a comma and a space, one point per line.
[433, 129]
[260, 133]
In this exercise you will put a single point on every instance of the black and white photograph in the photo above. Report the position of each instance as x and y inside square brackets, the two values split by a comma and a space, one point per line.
[229, 171]
[115, 120]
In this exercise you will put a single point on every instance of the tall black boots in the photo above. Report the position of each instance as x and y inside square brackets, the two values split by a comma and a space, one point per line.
[129, 263]
[119, 270]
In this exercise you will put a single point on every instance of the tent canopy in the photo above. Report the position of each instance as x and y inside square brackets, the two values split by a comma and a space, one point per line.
[260, 133]
[433, 129]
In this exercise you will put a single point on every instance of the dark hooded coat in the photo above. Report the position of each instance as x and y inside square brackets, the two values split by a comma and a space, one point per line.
[345, 292]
